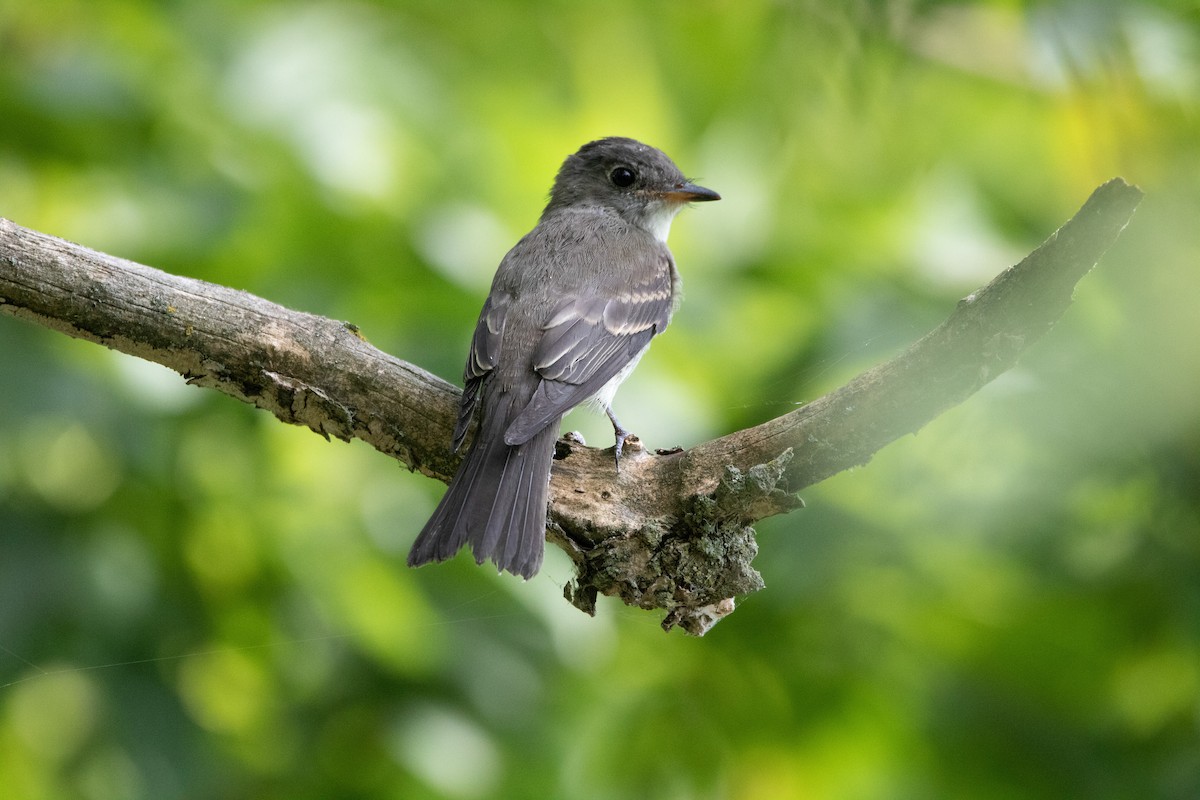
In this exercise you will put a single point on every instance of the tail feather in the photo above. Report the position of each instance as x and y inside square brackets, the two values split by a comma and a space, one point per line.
[522, 534]
[496, 502]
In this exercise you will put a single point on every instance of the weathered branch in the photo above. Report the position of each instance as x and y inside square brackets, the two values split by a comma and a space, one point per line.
[672, 530]
[983, 338]
[304, 369]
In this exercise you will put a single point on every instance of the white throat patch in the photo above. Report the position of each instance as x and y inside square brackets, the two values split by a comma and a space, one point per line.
[659, 217]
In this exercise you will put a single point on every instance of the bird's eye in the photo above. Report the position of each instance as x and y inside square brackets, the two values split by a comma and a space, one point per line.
[622, 177]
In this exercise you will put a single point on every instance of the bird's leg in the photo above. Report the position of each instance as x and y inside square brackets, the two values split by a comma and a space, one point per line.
[620, 433]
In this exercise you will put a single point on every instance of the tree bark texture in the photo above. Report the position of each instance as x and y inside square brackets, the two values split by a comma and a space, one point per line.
[671, 531]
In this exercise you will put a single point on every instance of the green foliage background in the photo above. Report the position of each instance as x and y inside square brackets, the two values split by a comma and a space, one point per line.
[196, 601]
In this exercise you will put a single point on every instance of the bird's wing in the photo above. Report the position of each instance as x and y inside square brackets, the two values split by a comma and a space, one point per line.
[482, 358]
[589, 338]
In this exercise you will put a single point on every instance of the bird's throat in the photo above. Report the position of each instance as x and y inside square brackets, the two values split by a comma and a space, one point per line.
[658, 218]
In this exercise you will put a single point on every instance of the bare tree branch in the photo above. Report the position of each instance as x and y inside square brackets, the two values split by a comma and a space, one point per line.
[304, 369]
[672, 531]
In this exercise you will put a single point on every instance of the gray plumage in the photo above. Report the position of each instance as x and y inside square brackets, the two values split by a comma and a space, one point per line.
[571, 309]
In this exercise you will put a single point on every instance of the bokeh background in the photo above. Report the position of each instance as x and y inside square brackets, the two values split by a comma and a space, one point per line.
[198, 601]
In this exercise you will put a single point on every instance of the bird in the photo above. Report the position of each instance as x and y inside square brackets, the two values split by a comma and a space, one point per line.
[572, 308]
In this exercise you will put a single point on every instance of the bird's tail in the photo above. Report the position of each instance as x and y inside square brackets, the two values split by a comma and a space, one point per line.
[497, 502]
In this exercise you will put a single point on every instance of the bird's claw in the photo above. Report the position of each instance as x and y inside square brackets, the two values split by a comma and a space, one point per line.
[621, 435]
[622, 438]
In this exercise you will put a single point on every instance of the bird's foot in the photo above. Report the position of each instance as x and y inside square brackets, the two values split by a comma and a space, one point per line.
[622, 436]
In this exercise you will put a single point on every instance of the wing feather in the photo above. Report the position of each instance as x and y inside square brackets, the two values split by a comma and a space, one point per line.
[589, 339]
[481, 360]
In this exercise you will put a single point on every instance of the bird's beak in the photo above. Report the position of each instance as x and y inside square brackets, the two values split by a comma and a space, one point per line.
[689, 193]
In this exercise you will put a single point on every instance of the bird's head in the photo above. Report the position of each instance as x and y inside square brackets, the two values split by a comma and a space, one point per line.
[638, 181]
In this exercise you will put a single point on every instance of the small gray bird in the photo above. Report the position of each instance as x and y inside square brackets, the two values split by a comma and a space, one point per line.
[572, 308]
